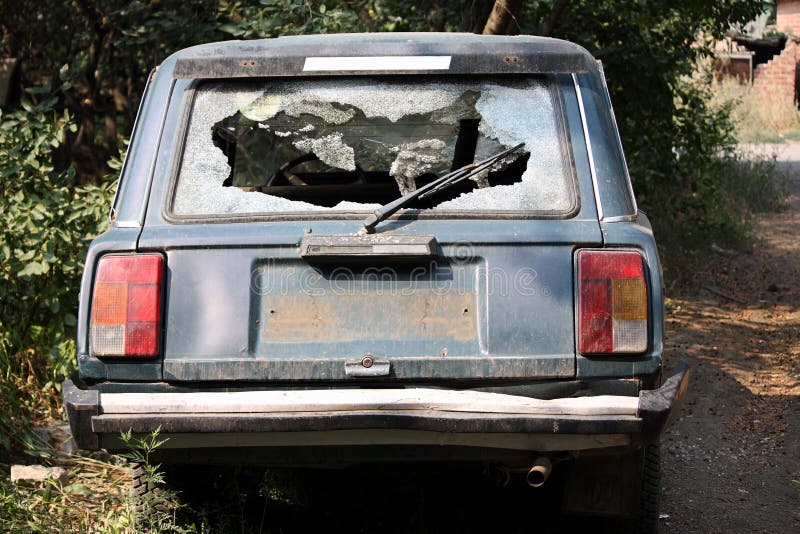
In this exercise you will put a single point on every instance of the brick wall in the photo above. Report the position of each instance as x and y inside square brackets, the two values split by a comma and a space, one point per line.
[776, 78]
[788, 17]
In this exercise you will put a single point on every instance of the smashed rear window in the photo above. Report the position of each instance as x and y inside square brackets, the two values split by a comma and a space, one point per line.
[351, 145]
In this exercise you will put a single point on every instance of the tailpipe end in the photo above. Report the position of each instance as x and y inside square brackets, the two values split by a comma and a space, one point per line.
[539, 472]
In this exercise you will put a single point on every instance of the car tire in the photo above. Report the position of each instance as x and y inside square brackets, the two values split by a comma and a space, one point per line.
[645, 518]
[148, 498]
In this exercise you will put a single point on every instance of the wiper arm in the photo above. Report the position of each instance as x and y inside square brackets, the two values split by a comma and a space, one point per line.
[439, 184]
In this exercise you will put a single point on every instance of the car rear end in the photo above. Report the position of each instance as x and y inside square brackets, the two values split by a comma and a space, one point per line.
[238, 305]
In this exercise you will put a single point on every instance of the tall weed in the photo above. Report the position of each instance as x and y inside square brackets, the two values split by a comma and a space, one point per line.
[754, 117]
[710, 192]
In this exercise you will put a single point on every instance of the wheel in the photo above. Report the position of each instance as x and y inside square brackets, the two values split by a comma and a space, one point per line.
[621, 491]
[645, 518]
[650, 495]
[151, 500]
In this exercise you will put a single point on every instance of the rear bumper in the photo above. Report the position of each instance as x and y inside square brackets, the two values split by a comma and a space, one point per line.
[342, 417]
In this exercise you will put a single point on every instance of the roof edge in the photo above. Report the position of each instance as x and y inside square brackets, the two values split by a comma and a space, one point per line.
[389, 53]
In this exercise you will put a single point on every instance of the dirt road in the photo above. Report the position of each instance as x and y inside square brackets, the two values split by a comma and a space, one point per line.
[732, 461]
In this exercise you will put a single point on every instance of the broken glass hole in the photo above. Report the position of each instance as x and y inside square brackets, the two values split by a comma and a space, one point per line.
[324, 153]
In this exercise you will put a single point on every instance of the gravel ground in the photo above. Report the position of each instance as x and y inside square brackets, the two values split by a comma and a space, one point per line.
[732, 460]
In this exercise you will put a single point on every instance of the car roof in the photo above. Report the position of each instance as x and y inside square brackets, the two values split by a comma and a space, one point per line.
[382, 53]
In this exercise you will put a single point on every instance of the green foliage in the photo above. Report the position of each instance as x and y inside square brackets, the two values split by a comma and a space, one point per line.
[140, 450]
[94, 501]
[679, 146]
[47, 225]
[272, 18]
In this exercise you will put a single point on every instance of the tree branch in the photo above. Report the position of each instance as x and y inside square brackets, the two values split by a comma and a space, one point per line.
[503, 20]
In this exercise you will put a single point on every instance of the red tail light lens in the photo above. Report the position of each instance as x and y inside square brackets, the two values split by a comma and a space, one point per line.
[126, 306]
[612, 302]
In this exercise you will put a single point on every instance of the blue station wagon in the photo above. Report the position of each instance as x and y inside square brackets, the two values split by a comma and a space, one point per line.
[369, 247]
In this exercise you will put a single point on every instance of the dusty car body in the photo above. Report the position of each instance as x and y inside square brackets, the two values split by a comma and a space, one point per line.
[240, 303]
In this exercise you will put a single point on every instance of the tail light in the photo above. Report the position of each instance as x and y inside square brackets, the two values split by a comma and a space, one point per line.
[612, 302]
[126, 306]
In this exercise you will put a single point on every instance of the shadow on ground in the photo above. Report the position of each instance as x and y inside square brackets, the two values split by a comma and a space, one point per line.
[378, 499]
[731, 460]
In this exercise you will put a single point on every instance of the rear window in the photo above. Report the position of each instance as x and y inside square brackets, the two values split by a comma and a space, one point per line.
[350, 145]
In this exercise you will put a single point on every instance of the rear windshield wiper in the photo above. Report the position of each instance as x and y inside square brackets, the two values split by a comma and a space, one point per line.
[439, 184]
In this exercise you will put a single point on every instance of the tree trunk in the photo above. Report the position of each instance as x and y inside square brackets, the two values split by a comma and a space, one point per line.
[504, 18]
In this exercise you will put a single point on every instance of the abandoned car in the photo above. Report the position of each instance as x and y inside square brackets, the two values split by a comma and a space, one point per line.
[360, 245]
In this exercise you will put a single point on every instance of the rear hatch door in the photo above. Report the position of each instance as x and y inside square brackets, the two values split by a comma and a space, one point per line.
[266, 165]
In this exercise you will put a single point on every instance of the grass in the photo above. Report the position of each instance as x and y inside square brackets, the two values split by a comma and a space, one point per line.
[98, 497]
[720, 215]
[756, 118]
[27, 398]
[96, 500]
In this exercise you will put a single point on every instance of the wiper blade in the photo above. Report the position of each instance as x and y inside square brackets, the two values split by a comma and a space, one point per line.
[440, 184]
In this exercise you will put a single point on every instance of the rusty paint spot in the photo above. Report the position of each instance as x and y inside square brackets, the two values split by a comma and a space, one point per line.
[422, 314]
[511, 59]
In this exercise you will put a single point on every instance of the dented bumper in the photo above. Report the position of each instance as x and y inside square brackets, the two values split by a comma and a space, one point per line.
[341, 417]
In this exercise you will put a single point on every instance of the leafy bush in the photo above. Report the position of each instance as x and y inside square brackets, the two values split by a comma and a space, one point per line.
[707, 193]
[679, 141]
[47, 225]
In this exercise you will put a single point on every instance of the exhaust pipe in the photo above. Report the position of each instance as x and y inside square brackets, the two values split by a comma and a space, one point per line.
[539, 472]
